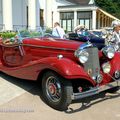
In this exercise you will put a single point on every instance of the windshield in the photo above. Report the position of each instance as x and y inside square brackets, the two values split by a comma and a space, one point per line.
[22, 34]
[33, 33]
[27, 33]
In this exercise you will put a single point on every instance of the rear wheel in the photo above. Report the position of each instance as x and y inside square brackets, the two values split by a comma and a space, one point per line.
[56, 91]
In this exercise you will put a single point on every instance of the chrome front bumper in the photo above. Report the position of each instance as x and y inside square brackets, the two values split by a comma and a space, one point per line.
[95, 90]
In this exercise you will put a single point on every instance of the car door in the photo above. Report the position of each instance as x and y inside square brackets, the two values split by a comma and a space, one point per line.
[12, 54]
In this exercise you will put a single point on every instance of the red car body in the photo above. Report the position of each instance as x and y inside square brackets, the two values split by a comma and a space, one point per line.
[34, 57]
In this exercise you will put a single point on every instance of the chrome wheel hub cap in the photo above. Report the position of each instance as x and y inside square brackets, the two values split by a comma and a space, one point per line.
[53, 89]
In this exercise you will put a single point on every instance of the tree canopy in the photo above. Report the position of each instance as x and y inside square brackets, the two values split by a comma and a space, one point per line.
[111, 6]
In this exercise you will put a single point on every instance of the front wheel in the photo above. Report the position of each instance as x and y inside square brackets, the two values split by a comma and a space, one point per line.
[56, 91]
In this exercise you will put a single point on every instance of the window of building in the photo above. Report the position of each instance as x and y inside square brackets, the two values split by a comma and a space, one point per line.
[67, 21]
[27, 15]
[84, 18]
[41, 18]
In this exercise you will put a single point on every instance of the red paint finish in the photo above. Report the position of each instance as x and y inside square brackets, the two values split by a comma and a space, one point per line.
[28, 59]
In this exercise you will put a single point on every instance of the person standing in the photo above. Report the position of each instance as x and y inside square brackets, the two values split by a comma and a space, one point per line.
[58, 31]
[116, 33]
[79, 29]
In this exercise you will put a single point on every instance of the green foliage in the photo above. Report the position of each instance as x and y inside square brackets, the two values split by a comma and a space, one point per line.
[36, 34]
[26, 33]
[111, 6]
[48, 30]
[5, 35]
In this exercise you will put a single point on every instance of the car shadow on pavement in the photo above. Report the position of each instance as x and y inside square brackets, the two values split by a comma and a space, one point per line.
[32, 87]
[35, 89]
[90, 101]
[24, 84]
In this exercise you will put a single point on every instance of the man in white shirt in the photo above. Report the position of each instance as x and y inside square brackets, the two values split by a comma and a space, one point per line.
[58, 31]
[116, 33]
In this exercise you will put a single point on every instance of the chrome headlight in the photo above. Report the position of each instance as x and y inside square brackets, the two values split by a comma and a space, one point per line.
[106, 67]
[109, 51]
[82, 55]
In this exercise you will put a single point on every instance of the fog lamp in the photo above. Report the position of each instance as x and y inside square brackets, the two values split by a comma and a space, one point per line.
[117, 74]
[106, 67]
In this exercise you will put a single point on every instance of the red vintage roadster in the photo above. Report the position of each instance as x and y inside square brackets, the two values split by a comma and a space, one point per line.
[67, 70]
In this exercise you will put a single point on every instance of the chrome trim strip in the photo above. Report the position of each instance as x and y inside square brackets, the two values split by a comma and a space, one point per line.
[95, 90]
[47, 47]
[85, 45]
[37, 46]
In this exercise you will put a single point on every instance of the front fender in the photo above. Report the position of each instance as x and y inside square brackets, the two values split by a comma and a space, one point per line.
[115, 62]
[66, 68]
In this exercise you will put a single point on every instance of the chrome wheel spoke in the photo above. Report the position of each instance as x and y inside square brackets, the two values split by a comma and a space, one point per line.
[53, 89]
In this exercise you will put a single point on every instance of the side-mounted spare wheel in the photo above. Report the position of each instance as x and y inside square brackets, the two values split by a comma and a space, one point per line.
[56, 91]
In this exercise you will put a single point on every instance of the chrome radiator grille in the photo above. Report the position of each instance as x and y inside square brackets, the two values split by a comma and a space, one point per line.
[92, 66]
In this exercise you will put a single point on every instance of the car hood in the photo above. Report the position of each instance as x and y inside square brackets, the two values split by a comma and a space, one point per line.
[51, 42]
[97, 40]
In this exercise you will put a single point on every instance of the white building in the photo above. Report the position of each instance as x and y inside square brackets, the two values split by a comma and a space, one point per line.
[16, 14]
[21, 13]
[83, 12]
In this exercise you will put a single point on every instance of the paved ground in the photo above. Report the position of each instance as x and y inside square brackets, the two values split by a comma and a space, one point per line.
[21, 100]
